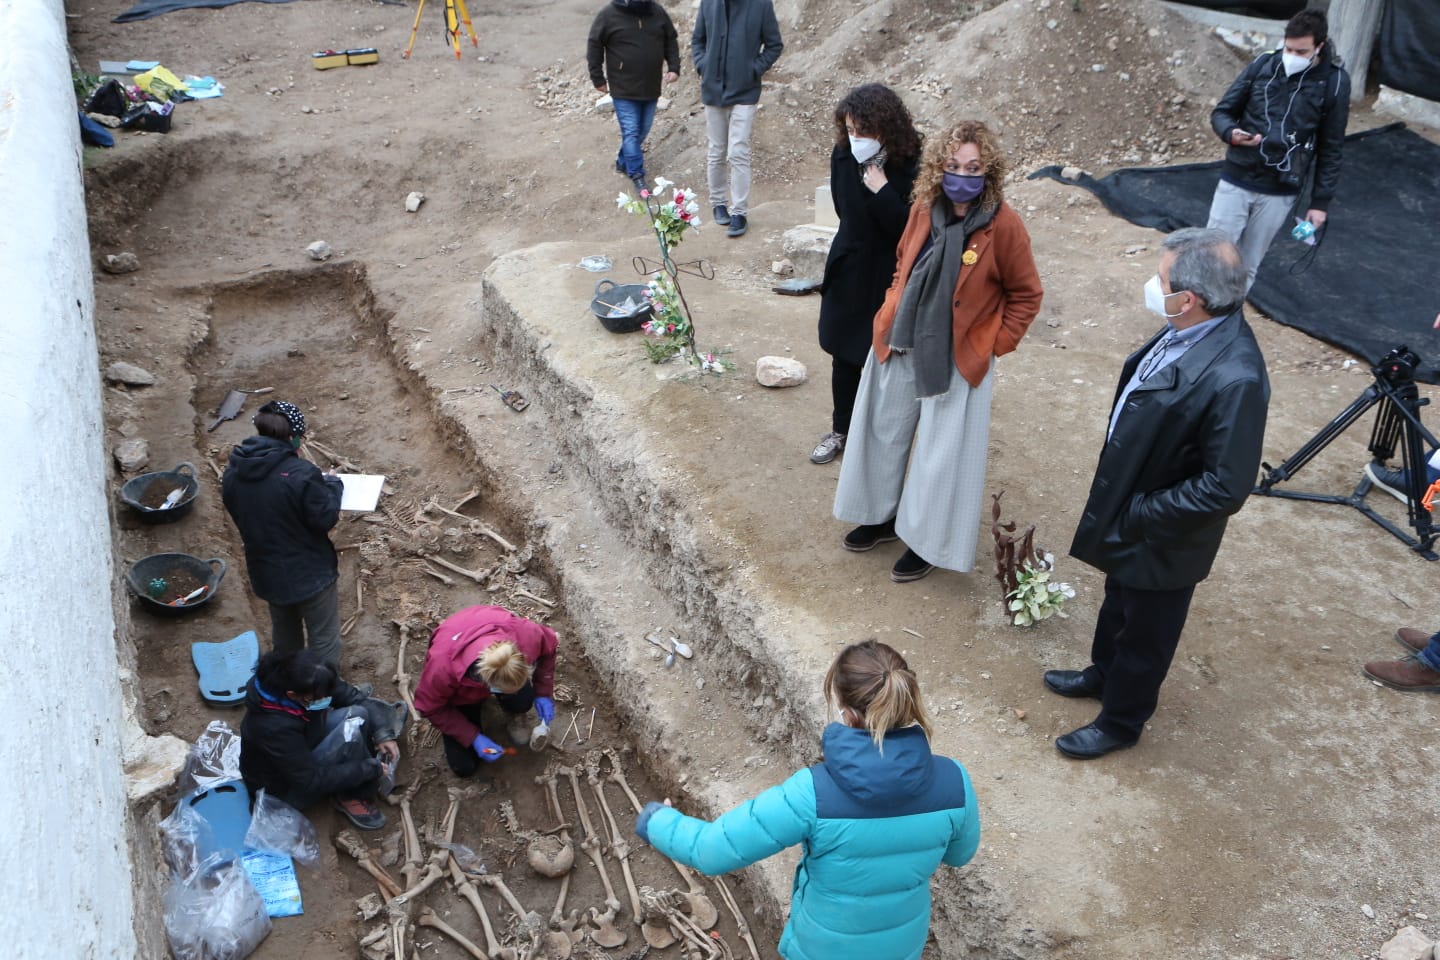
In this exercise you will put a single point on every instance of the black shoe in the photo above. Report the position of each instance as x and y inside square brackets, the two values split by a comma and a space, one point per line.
[1090, 742]
[1072, 683]
[619, 166]
[720, 214]
[737, 225]
[868, 536]
[640, 185]
[362, 813]
[1394, 482]
[910, 566]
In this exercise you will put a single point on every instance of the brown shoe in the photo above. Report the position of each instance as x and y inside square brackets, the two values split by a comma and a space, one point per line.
[1412, 639]
[1407, 673]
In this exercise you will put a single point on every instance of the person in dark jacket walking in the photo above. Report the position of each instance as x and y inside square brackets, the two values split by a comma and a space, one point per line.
[1181, 454]
[630, 41]
[284, 508]
[875, 819]
[733, 44]
[1283, 120]
[307, 735]
[872, 171]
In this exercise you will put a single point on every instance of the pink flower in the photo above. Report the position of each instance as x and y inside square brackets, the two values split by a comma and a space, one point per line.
[644, 194]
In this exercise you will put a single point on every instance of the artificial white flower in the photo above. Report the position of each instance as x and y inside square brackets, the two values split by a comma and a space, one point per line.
[660, 185]
[623, 200]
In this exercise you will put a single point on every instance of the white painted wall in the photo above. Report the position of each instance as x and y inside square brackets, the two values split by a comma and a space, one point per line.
[65, 876]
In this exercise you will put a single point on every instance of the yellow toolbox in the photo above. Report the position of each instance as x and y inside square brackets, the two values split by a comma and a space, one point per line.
[328, 59]
[361, 56]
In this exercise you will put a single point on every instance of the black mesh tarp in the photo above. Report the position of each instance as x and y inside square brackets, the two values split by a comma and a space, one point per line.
[1408, 49]
[146, 9]
[1374, 281]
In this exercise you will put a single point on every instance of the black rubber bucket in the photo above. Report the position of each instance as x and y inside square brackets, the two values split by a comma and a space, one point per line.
[607, 305]
[146, 493]
[162, 579]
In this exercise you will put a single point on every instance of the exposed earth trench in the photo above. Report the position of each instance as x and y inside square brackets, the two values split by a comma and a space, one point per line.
[1259, 812]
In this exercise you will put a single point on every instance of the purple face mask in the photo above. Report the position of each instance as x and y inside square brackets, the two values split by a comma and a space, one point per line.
[962, 188]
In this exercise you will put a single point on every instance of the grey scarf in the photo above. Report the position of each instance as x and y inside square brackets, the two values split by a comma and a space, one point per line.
[924, 320]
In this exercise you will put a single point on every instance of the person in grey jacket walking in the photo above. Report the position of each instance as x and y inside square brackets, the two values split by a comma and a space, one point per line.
[733, 44]
[630, 42]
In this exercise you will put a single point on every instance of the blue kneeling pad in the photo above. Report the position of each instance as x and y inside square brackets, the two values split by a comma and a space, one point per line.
[225, 668]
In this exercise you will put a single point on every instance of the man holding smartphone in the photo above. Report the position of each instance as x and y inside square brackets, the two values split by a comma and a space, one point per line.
[1283, 118]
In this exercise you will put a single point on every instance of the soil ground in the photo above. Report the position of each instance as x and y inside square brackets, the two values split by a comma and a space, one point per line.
[1272, 795]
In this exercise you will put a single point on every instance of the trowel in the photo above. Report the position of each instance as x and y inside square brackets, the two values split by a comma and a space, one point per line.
[230, 407]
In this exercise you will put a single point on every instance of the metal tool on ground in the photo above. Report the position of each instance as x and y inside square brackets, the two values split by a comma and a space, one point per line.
[455, 14]
[229, 408]
[513, 399]
[670, 644]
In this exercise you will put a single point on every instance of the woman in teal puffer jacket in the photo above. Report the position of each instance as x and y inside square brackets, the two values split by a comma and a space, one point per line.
[877, 817]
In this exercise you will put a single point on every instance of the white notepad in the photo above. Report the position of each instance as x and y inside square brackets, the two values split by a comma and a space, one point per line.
[362, 491]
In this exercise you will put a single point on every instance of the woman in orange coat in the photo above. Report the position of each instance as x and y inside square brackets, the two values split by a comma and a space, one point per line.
[965, 291]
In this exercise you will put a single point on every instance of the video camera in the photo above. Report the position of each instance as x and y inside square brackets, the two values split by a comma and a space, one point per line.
[1398, 366]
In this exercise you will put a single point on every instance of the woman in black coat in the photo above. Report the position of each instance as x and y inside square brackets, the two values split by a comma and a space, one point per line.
[872, 171]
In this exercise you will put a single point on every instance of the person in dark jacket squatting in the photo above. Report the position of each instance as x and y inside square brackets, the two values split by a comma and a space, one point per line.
[630, 40]
[307, 734]
[875, 819]
[1287, 105]
[284, 508]
[1181, 453]
[872, 171]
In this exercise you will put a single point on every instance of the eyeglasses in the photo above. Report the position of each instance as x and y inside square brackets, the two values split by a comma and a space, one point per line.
[1151, 363]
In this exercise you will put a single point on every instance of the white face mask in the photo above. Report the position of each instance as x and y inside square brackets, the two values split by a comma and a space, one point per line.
[1294, 64]
[863, 148]
[1155, 298]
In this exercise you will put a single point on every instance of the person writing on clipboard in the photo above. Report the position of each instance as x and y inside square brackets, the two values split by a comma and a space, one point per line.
[284, 508]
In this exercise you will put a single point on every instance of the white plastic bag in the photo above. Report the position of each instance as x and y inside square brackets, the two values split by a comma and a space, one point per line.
[277, 827]
[213, 758]
[215, 913]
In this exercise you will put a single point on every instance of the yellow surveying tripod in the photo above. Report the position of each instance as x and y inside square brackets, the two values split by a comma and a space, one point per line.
[455, 14]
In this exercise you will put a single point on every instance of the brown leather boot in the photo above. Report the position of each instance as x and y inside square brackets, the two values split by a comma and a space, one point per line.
[1407, 673]
[1412, 639]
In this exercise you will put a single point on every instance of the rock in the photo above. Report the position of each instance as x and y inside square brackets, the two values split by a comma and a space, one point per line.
[1407, 944]
[319, 250]
[129, 374]
[1071, 173]
[120, 263]
[1135, 248]
[1097, 67]
[132, 455]
[662, 104]
[806, 247]
[783, 268]
[605, 104]
[780, 372]
[413, 201]
[1368, 910]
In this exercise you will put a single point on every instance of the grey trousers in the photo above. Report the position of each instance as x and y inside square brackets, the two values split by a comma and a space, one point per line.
[937, 502]
[727, 135]
[1250, 220]
[318, 618]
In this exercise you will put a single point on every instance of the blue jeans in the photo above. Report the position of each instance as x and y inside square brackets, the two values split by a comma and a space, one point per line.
[1430, 656]
[636, 117]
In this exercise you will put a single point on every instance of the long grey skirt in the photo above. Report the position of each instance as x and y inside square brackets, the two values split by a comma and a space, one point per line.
[937, 503]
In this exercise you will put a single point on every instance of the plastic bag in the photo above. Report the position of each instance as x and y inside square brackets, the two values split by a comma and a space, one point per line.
[215, 913]
[213, 758]
[277, 827]
[183, 835]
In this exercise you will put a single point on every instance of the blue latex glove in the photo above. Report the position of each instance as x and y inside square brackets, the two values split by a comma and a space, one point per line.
[487, 749]
[642, 823]
[545, 707]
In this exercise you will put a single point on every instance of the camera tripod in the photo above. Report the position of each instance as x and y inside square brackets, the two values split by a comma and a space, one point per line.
[455, 14]
[1397, 424]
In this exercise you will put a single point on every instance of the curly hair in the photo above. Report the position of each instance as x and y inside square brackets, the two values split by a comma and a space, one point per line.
[932, 168]
[880, 113]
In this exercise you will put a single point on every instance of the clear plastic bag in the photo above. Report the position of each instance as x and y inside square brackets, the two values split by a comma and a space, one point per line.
[215, 913]
[277, 827]
[213, 758]
[183, 835]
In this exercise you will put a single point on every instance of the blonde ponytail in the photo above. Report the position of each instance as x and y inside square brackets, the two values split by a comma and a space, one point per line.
[872, 679]
[502, 666]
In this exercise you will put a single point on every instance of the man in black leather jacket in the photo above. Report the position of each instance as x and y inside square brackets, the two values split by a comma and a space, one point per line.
[1283, 120]
[1181, 455]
